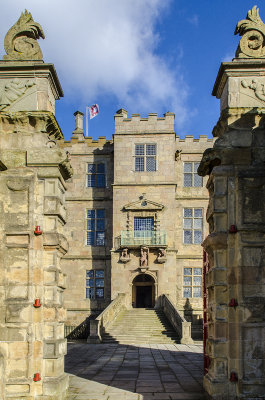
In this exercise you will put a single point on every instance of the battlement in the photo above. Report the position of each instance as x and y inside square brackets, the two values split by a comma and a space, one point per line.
[137, 124]
[88, 141]
[191, 139]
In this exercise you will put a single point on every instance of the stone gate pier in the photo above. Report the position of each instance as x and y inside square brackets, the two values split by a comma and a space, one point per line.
[33, 171]
[236, 217]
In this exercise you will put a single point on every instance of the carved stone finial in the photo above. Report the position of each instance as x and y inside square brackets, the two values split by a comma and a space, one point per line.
[21, 39]
[252, 30]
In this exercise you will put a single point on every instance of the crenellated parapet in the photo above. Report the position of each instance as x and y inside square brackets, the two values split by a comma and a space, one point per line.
[137, 124]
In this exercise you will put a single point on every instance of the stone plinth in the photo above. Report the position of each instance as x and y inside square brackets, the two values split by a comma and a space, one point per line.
[28, 86]
[236, 243]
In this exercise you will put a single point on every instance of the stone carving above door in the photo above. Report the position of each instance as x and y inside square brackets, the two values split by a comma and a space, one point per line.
[144, 256]
[162, 256]
[125, 256]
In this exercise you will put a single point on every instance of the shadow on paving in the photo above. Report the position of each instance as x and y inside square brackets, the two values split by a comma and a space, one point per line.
[134, 372]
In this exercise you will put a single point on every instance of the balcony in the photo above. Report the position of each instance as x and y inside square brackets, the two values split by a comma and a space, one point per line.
[142, 238]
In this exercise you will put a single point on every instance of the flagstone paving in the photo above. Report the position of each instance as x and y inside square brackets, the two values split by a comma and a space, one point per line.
[127, 372]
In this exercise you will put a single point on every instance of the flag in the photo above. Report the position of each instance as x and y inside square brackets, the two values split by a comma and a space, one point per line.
[93, 110]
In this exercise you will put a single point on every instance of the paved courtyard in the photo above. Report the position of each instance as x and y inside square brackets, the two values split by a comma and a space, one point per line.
[142, 372]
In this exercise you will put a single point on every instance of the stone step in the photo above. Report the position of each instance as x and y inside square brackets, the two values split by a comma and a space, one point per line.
[141, 326]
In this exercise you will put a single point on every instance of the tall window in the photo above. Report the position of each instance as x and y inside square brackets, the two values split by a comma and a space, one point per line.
[95, 284]
[96, 175]
[192, 224]
[95, 227]
[143, 226]
[191, 178]
[192, 285]
[145, 157]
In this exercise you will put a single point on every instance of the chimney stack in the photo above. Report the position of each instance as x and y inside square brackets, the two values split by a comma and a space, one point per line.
[79, 131]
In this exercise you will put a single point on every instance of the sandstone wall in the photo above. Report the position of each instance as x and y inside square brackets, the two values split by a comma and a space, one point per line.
[33, 171]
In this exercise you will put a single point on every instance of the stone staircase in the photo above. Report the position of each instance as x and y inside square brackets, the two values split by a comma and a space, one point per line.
[141, 326]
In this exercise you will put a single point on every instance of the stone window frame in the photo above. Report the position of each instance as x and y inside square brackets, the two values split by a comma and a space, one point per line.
[145, 156]
[193, 228]
[95, 230]
[192, 285]
[192, 173]
[96, 173]
[91, 275]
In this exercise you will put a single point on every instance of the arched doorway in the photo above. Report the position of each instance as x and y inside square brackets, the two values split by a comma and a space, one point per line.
[143, 291]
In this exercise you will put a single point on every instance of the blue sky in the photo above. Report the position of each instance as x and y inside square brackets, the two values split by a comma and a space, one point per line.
[143, 55]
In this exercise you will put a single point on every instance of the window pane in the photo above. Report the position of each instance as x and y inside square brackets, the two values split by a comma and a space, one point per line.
[90, 274]
[197, 280]
[91, 180]
[90, 238]
[101, 181]
[90, 224]
[99, 293]
[188, 212]
[197, 212]
[150, 164]
[139, 164]
[91, 168]
[197, 292]
[90, 293]
[99, 273]
[187, 167]
[188, 223]
[187, 237]
[90, 282]
[187, 280]
[196, 166]
[100, 224]
[101, 168]
[90, 213]
[150, 149]
[143, 224]
[197, 271]
[187, 180]
[100, 213]
[187, 292]
[99, 282]
[139, 149]
[187, 271]
[197, 237]
[100, 241]
[197, 223]
[197, 180]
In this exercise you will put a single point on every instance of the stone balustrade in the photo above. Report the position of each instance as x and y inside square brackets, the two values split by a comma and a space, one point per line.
[182, 327]
[107, 317]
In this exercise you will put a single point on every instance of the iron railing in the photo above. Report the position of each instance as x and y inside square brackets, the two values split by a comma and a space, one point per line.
[140, 238]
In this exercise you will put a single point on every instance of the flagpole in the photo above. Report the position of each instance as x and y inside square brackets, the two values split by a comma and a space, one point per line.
[87, 121]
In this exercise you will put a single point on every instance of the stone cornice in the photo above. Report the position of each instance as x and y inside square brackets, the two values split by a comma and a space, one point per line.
[241, 68]
[30, 121]
[32, 69]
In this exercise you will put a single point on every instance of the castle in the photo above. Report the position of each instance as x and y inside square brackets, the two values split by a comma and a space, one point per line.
[136, 213]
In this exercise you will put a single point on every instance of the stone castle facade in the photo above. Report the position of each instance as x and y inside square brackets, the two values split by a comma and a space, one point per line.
[136, 217]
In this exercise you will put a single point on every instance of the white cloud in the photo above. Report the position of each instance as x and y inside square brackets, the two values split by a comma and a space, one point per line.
[107, 47]
[194, 20]
[228, 57]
